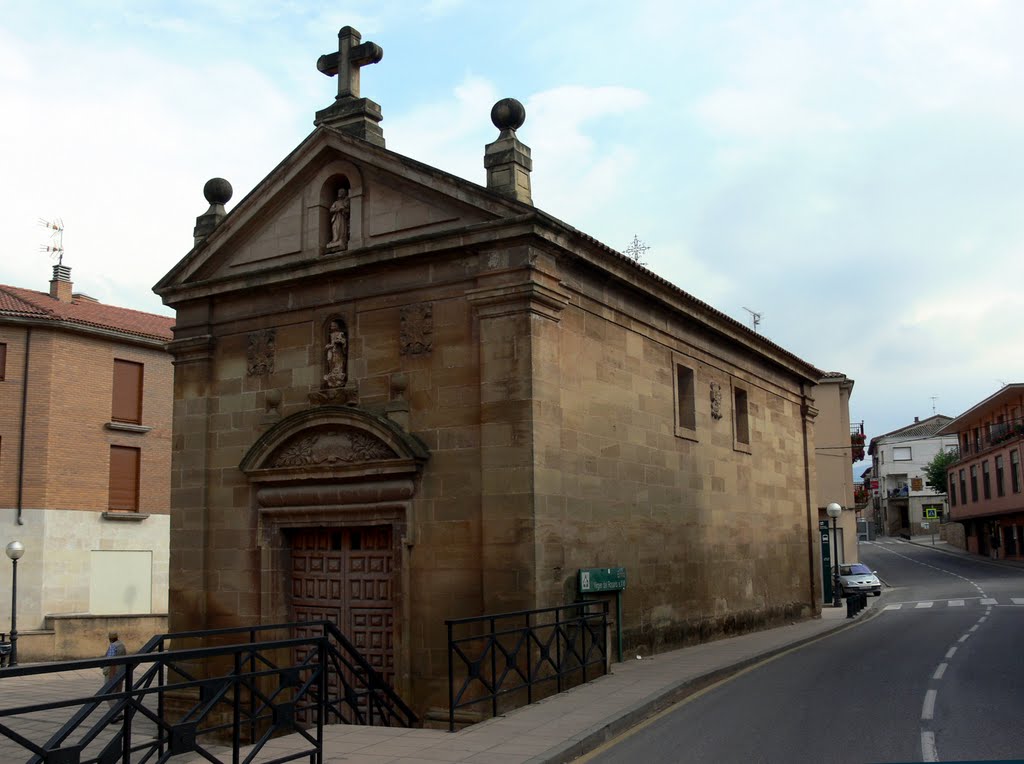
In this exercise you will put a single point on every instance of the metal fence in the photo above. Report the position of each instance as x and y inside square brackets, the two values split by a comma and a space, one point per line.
[508, 659]
[210, 701]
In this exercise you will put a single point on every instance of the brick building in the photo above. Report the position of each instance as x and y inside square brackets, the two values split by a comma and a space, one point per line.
[434, 400]
[85, 428]
[986, 486]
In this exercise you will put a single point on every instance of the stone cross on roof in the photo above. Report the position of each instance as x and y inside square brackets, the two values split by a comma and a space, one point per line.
[351, 56]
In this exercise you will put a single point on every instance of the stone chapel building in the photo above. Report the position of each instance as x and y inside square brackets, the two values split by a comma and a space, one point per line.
[402, 397]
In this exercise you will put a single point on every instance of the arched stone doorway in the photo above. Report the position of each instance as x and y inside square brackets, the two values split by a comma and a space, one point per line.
[334, 488]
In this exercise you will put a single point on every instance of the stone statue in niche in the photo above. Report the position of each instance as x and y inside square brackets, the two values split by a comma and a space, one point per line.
[341, 210]
[716, 400]
[260, 353]
[336, 356]
[417, 329]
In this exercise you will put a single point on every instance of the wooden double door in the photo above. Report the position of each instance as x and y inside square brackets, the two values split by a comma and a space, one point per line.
[345, 576]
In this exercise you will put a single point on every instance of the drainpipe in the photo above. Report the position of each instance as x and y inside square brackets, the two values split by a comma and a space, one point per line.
[24, 416]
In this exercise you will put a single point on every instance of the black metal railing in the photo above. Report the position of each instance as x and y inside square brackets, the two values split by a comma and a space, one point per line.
[509, 659]
[210, 701]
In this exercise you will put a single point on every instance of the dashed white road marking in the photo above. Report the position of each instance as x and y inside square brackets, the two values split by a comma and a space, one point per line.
[964, 638]
[928, 751]
[940, 671]
[988, 601]
[956, 603]
[892, 607]
[950, 653]
[928, 709]
[973, 629]
[1017, 600]
[923, 604]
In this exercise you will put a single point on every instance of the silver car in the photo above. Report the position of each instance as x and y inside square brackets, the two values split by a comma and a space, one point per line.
[857, 577]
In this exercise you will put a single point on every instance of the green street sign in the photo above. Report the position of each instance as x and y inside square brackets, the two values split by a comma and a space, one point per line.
[602, 580]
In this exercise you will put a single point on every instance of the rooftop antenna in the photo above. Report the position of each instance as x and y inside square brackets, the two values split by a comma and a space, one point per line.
[934, 398]
[636, 250]
[56, 246]
[755, 317]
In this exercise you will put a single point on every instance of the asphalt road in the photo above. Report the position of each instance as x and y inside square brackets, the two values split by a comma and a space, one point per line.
[935, 676]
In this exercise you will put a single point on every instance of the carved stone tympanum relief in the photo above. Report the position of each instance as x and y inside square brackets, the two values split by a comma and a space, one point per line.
[338, 445]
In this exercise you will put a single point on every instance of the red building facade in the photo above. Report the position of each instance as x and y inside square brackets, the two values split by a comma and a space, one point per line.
[986, 486]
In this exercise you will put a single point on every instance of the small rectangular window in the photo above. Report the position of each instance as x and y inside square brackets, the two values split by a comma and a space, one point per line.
[127, 396]
[974, 482]
[1000, 490]
[3, 361]
[686, 401]
[963, 488]
[952, 490]
[901, 454]
[986, 485]
[1015, 470]
[741, 417]
[124, 479]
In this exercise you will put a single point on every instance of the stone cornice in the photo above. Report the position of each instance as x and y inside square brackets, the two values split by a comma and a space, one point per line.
[191, 349]
[527, 296]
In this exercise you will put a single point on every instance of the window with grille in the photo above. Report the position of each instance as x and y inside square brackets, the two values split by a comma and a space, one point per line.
[127, 397]
[684, 382]
[741, 418]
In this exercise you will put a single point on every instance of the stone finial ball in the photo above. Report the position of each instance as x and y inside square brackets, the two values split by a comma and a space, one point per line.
[217, 191]
[508, 113]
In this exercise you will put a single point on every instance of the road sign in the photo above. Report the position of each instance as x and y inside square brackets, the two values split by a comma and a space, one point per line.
[602, 579]
[932, 513]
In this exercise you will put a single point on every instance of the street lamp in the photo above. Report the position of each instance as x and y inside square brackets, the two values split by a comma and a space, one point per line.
[14, 550]
[833, 510]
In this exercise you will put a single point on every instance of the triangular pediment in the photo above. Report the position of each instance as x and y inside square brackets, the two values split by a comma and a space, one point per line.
[293, 218]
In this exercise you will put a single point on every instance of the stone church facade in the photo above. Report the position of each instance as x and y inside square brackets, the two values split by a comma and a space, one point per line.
[402, 397]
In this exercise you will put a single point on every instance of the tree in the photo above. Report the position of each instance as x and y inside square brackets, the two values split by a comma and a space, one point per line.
[935, 470]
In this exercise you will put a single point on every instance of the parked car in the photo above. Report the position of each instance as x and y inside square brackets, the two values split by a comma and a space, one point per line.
[857, 577]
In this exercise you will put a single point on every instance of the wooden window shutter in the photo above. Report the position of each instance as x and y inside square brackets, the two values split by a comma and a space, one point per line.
[3, 361]
[127, 398]
[124, 479]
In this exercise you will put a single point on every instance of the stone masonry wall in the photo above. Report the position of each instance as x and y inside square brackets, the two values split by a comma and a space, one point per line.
[714, 537]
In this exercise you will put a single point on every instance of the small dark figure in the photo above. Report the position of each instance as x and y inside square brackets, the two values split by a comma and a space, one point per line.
[115, 649]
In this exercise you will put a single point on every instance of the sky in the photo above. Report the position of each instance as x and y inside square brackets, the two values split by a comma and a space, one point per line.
[844, 169]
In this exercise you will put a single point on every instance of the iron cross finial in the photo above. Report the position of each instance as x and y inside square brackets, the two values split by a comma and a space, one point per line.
[348, 60]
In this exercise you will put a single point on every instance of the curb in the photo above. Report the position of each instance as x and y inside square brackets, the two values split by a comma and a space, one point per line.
[607, 730]
[965, 555]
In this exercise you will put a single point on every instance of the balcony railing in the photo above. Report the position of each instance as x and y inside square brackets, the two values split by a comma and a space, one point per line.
[977, 440]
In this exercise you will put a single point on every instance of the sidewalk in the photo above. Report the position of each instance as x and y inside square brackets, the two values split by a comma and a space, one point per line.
[568, 725]
[557, 729]
[944, 546]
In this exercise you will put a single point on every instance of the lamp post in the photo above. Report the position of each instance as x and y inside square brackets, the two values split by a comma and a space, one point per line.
[14, 550]
[833, 510]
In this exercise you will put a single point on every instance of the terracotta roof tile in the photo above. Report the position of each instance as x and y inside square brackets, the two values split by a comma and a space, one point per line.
[28, 303]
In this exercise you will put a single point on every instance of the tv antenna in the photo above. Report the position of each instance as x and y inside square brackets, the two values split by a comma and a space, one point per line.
[934, 398]
[636, 250]
[755, 317]
[56, 246]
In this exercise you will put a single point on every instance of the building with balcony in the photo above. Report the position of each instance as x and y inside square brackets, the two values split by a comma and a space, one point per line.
[985, 486]
[85, 452]
[903, 502]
